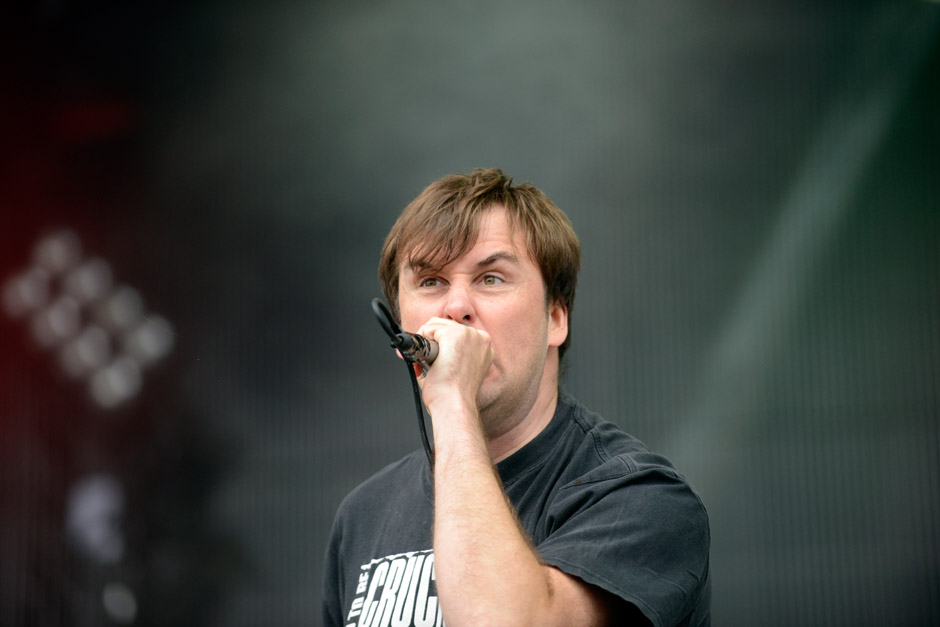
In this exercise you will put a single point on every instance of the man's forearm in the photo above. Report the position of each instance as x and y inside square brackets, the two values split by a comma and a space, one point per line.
[487, 573]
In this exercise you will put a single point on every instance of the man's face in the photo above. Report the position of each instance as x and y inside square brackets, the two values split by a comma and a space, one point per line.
[497, 287]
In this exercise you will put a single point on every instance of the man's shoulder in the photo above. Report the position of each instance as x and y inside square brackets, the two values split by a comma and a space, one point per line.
[388, 514]
[656, 540]
[605, 448]
[608, 439]
[406, 475]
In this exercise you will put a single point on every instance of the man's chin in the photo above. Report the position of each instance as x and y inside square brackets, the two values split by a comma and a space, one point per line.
[488, 391]
[488, 405]
[485, 402]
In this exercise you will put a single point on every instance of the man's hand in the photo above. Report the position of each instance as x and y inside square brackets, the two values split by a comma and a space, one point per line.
[464, 359]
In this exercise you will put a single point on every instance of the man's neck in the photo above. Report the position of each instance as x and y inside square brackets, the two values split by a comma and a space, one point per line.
[539, 416]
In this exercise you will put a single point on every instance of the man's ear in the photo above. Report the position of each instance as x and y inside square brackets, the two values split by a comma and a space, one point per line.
[557, 323]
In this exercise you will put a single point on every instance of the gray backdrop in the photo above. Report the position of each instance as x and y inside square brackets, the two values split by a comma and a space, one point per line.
[756, 192]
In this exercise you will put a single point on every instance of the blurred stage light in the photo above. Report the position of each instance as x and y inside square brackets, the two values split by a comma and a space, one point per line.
[26, 293]
[57, 323]
[120, 603]
[150, 341]
[58, 251]
[116, 383]
[89, 282]
[94, 515]
[121, 310]
[87, 352]
[101, 332]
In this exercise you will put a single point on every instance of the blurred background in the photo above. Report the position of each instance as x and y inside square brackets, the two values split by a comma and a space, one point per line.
[193, 199]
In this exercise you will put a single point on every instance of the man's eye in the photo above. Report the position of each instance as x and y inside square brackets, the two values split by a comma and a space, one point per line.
[430, 282]
[491, 280]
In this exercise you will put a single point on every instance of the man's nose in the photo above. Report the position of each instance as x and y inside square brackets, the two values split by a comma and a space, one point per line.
[459, 305]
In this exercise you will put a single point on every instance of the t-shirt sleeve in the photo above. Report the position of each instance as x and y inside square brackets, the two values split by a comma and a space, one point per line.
[640, 533]
[332, 611]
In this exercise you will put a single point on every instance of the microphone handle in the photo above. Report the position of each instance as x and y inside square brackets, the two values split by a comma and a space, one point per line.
[414, 347]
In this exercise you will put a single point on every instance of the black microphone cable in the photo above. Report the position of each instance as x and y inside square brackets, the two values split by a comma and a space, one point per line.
[415, 349]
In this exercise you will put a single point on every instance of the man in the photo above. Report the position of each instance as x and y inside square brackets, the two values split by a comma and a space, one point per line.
[536, 511]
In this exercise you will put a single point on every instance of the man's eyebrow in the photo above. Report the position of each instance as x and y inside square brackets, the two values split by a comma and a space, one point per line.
[498, 256]
[418, 266]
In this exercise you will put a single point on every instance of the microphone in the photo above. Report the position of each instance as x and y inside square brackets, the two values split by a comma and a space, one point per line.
[414, 347]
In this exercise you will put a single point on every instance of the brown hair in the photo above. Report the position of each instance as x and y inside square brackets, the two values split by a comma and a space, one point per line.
[442, 224]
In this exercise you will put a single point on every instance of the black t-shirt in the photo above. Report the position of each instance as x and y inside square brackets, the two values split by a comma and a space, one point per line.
[595, 501]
